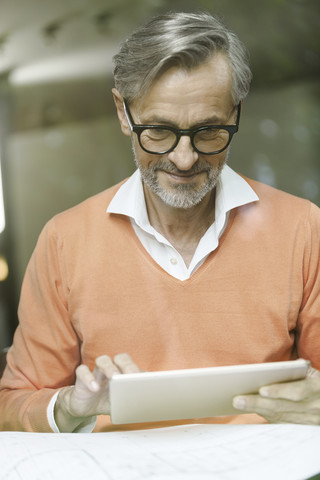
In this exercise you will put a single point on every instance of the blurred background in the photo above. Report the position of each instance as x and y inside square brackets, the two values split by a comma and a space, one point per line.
[59, 136]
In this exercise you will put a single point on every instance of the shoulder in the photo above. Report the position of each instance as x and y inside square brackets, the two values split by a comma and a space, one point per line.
[280, 201]
[96, 204]
[278, 213]
[83, 217]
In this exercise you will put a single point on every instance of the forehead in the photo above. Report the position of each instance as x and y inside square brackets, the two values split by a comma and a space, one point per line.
[179, 94]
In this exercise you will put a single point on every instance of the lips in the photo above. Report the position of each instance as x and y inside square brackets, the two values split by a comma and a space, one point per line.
[179, 176]
[182, 176]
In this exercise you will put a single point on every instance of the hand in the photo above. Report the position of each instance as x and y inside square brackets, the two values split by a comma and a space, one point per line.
[90, 395]
[292, 402]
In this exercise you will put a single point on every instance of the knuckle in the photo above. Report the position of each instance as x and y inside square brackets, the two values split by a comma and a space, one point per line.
[125, 363]
[313, 373]
[297, 395]
[103, 361]
[81, 370]
[123, 358]
[279, 417]
[105, 367]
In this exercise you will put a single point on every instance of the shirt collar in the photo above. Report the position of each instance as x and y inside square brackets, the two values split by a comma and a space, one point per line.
[129, 200]
[232, 191]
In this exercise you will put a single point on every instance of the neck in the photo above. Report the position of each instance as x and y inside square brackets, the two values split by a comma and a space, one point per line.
[183, 228]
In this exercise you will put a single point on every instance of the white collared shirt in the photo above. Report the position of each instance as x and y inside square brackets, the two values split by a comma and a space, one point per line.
[231, 191]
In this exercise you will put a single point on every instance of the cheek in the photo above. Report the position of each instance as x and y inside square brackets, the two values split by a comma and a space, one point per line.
[143, 158]
[216, 160]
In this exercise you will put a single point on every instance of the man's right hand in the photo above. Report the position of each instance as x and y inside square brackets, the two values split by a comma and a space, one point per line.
[76, 405]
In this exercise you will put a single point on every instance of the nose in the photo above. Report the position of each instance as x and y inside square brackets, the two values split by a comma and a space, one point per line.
[183, 156]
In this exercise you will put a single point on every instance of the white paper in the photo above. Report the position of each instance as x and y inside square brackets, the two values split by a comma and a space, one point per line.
[199, 452]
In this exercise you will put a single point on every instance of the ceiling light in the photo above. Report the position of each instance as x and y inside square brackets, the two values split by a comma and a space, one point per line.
[84, 64]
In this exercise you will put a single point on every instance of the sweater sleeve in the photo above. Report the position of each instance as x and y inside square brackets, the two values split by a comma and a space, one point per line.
[308, 326]
[45, 350]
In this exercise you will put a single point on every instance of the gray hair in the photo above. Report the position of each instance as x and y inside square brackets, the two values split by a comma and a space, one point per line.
[185, 40]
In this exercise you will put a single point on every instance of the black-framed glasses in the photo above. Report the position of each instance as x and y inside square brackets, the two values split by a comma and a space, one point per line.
[161, 139]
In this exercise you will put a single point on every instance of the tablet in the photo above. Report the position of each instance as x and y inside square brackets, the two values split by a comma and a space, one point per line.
[193, 393]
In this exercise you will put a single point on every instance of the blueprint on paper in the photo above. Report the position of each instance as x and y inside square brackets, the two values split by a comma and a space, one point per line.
[197, 452]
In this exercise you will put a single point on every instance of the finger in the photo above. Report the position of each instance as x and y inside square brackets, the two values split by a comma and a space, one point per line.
[296, 391]
[280, 411]
[289, 417]
[104, 368]
[85, 378]
[258, 404]
[125, 363]
[313, 373]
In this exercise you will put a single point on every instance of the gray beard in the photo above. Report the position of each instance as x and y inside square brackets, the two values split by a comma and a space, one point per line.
[182, 196]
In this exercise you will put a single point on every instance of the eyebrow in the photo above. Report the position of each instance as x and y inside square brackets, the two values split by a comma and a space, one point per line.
[214, 120]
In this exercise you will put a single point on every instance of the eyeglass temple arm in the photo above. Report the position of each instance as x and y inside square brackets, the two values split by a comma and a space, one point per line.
[238, 113]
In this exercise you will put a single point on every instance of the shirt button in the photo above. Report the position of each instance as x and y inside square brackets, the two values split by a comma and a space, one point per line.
[174, 261]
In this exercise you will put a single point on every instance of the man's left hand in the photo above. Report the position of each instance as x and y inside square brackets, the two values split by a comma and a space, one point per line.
[292, 402]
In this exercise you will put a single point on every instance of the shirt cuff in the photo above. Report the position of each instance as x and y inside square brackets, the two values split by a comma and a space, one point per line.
[83, 428]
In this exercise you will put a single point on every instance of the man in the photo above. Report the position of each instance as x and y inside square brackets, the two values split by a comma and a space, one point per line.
[185, 264]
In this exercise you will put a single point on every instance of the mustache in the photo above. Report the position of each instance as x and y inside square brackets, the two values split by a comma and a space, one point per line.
[199, 167]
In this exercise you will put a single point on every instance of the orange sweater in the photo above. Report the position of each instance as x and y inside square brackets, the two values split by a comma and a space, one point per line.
[92, 289]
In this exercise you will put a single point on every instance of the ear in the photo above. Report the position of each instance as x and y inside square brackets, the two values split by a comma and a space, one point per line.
[118, 100]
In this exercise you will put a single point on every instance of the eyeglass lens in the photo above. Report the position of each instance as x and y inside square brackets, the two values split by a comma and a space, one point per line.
[208, 140]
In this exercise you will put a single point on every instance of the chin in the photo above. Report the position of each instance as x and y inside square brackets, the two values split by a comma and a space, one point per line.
[181, 197]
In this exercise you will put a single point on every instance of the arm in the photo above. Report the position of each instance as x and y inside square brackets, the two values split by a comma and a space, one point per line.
[45, 357]
[45, 351]
[298, 402]
[46, 348]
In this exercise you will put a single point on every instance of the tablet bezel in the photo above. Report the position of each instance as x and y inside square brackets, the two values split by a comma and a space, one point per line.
[193, 393]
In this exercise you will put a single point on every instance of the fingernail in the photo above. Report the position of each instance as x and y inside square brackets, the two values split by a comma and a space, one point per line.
[264, 392]
[94, 385]
[239, 402]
